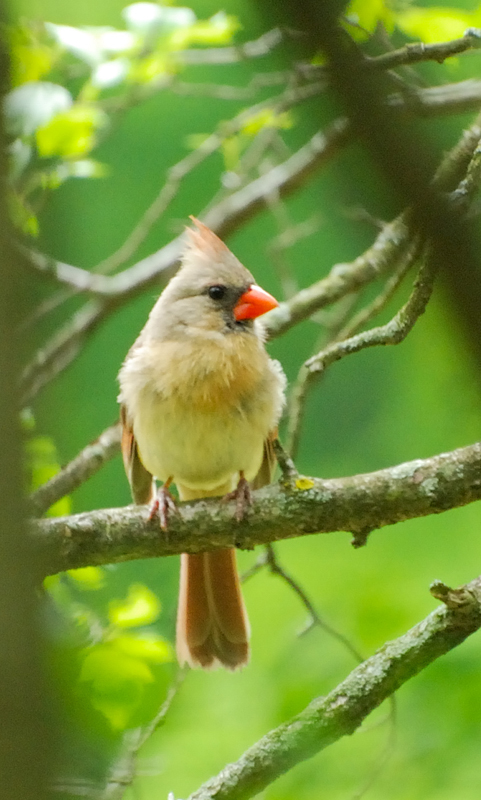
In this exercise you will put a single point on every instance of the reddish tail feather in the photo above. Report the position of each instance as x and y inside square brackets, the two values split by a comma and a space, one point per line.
[212, 624]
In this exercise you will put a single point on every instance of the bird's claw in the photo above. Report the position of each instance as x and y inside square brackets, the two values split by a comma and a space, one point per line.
[163, 505]
[243, 497]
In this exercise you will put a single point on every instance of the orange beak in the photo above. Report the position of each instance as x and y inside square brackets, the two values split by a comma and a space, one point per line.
[254, 303]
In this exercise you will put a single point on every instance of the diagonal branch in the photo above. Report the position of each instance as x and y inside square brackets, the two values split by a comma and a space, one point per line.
[230, 55]
[285, 178]
[225, 217]
[410, 53]
[393, 332]
[358, 504]
[80, 469]
[328, 719]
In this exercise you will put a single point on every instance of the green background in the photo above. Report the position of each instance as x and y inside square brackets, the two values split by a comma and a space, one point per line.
[382, 407]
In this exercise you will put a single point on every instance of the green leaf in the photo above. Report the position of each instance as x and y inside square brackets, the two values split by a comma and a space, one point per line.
[434, 24]
[141, 608]
[147, 646]
[117, 682]
[267, 118]
[108, 669]
[231, 150]
[43, 464]
[30, 63]
[31, 58]
[32, 105]
[217, 30]
[71, 133]
[368, 14]
[150, 68]
[90, 578]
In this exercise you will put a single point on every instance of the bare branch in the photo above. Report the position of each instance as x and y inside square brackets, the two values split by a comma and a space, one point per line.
[390, 246]
[230, 55]
[394, 332]
[411, 53]
[378, 304]
[415, 52]
[177, 173]
[306, 376]
[81, 468]
[451, 98]
[358, 504]
[224, 218]
[123, 771]
[327, 719]
[229, 214]
[61, 350]
[314, 619]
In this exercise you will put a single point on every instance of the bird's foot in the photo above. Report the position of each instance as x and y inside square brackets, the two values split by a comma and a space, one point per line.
[242, 496]
[164, 505]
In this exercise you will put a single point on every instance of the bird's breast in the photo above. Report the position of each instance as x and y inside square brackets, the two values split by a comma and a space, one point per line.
[201, 413]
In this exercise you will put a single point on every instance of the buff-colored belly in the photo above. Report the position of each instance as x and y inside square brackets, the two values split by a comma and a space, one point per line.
[201, 449]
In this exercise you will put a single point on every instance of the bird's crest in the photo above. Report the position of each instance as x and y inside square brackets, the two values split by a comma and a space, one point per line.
[204, 241]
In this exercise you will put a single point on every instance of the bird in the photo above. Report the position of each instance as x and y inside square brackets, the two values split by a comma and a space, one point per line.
[200, 402]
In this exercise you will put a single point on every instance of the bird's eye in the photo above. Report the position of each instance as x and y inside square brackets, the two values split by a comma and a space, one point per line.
[216, 292]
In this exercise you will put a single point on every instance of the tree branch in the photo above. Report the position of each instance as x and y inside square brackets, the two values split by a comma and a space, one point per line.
[230, 55]
[358, 504]
[328, 719]
[284, 178]
[414, 52]
[393, 332]
[223, 218]
[79, 470]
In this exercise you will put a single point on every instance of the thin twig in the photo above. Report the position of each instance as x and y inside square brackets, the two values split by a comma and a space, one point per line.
[61, 350]
[326, 720]
[177, 173]
[366, 314]
[396, 330]
[228, 214]
[393, 332]
[225, 217]
[451, 98]
[411, 53]
[230, 55]
[123, 771]
[415, 52]
[314, 618]
[81, 468]
[304, 378]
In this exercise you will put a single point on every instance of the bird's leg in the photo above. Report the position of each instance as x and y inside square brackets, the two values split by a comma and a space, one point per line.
[163, 504]
[242, 496]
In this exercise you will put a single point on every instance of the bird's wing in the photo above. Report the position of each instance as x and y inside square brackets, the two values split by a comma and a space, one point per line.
[264, 476]
[140, 479]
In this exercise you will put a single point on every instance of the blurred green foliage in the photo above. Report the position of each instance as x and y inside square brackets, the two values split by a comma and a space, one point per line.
[119, 657]
[111, 630]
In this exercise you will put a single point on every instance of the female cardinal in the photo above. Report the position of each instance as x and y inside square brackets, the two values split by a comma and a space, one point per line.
[200, 402]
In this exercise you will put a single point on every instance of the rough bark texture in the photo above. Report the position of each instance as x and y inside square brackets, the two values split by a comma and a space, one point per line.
[307, 505]
[329, 718]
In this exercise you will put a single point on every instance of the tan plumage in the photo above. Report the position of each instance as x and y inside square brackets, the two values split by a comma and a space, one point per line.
[200, 400]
